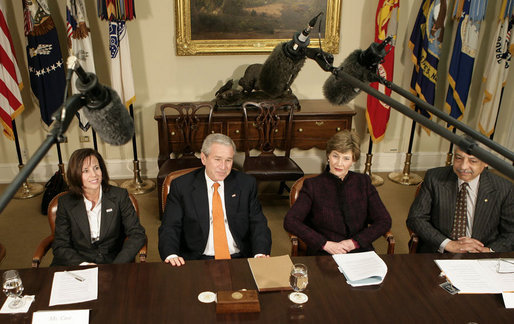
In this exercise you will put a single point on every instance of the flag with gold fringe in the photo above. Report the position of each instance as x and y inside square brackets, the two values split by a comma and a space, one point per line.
[79, 45]
[496, 71]
[46, 68]
[386, 23]
[11, 104]
[469, 13]
[425, 43]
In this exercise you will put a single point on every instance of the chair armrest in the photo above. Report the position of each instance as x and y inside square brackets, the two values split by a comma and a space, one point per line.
[413, 242]
[390, 242]
[143, 251]
[41, 250]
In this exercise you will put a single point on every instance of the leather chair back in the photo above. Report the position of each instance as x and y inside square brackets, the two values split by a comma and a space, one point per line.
[167, 182]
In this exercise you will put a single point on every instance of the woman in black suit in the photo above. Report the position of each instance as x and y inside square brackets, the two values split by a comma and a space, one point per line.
[94, 218]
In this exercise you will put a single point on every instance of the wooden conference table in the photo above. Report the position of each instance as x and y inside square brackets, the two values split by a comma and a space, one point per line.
[158, 293]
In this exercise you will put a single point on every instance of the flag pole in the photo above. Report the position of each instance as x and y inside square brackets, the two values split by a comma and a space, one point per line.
[449, 155]
[137, 186]
[27, 190]
[375, 179]
[405, 177]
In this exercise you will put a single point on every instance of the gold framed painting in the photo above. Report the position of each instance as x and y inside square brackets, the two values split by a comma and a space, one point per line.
[211, 27]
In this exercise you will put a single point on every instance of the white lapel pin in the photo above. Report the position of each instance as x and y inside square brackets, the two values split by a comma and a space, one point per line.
[486, 200]
[109, 210]
[233, 195]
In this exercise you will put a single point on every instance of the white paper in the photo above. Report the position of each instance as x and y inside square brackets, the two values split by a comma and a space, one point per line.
[78, 316]
[361, 269]
[27, 301]
[508, 299]
[476, 276]
[68, 290]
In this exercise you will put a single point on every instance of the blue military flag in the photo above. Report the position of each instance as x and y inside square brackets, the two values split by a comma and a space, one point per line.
[463, 57]
[46, 68]
[425, 43]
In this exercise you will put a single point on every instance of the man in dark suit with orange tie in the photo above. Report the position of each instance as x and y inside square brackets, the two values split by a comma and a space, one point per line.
[213, 212]
[464, 208]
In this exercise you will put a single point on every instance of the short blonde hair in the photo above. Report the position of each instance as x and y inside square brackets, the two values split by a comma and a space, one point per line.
[343, 142]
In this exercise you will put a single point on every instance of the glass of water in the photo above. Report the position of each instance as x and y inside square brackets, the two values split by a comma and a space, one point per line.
[298, 280]
[13, 287]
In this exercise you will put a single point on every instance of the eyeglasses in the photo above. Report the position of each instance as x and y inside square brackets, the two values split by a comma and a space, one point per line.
[505, 266]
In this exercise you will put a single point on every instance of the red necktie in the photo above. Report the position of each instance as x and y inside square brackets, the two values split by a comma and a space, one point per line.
[218, 227]
[461, 218]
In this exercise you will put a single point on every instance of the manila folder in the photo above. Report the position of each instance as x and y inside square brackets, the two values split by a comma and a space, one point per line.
[271, 274]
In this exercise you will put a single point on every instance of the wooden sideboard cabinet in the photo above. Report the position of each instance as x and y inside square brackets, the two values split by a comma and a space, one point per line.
[315, 122]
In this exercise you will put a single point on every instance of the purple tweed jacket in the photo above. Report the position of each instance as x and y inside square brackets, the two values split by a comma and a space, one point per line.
[316, 216]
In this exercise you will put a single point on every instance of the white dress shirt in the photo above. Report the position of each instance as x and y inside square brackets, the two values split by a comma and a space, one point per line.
[94, 216]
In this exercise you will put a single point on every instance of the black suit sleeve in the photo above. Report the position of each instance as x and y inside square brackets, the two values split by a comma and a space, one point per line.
[171, 226]
[134, 232]
[260, 233]
[63, 250]
[421, 213]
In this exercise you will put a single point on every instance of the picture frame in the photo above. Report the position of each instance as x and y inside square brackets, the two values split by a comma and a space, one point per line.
[188, 44]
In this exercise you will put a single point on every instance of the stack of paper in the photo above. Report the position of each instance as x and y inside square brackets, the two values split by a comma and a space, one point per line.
[361, 269]
[482, 276]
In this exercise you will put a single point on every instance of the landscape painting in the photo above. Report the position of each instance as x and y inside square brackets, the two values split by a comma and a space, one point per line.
[252, 26]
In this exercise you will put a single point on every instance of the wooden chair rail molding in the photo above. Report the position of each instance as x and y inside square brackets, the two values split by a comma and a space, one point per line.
[315, 122]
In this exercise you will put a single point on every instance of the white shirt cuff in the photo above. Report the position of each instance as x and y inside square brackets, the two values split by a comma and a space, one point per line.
[259, 255]
[443, 245]
[171, 256]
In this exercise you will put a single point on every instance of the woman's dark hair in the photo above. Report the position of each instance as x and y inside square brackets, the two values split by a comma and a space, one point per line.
[74, 172]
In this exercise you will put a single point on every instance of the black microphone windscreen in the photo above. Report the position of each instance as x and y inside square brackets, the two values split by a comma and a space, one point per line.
[279, 71]
[340, 92]
[112, 122]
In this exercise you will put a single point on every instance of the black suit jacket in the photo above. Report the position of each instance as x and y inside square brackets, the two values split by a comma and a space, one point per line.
[431, 214]
[72, 243]
[185, 224]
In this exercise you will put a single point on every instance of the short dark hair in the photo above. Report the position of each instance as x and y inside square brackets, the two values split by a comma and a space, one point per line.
[345, 141]
[74, 172]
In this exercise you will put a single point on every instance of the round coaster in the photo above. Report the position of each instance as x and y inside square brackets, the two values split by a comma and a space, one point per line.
[298, 298]
[207, 297]
[237, 295]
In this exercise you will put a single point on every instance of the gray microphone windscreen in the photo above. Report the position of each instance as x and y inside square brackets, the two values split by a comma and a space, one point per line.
[279, 71]
[340, 92]
[112, 122]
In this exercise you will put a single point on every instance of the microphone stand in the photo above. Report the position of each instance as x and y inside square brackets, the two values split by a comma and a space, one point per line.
[63, 118]
[463, 143]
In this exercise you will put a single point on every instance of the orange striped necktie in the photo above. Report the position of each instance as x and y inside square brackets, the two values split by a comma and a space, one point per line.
[218, 227]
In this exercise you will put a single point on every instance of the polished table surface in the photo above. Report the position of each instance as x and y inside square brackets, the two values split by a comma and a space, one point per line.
[158, 293]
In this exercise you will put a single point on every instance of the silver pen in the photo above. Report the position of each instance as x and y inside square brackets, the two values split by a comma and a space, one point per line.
[76, 276]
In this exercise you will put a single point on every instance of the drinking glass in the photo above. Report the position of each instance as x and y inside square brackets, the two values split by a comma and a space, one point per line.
[298, 280]
[13, 287]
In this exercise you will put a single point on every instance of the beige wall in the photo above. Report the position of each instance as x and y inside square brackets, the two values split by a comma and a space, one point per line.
[160, 76]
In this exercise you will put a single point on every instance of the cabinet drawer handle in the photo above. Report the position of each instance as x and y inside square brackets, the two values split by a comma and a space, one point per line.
[212, 132]
[319, 123]
[338, 129]
[300, 130]
[172, 133]
[276, 130]
[237, 131]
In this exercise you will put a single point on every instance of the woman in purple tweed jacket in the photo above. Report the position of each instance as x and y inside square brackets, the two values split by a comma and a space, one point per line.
[338, 211]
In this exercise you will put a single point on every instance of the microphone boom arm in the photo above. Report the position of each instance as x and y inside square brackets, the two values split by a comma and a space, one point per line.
[467, 146]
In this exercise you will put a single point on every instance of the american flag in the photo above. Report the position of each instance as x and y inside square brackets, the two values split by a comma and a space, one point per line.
[11, 104]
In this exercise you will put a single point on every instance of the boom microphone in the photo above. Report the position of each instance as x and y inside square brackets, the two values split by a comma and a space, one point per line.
[282, 66]
[104, 109]
[359, 64]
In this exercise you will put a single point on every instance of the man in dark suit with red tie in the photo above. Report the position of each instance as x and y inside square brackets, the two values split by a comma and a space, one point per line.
[213, 212]
[464, 208]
